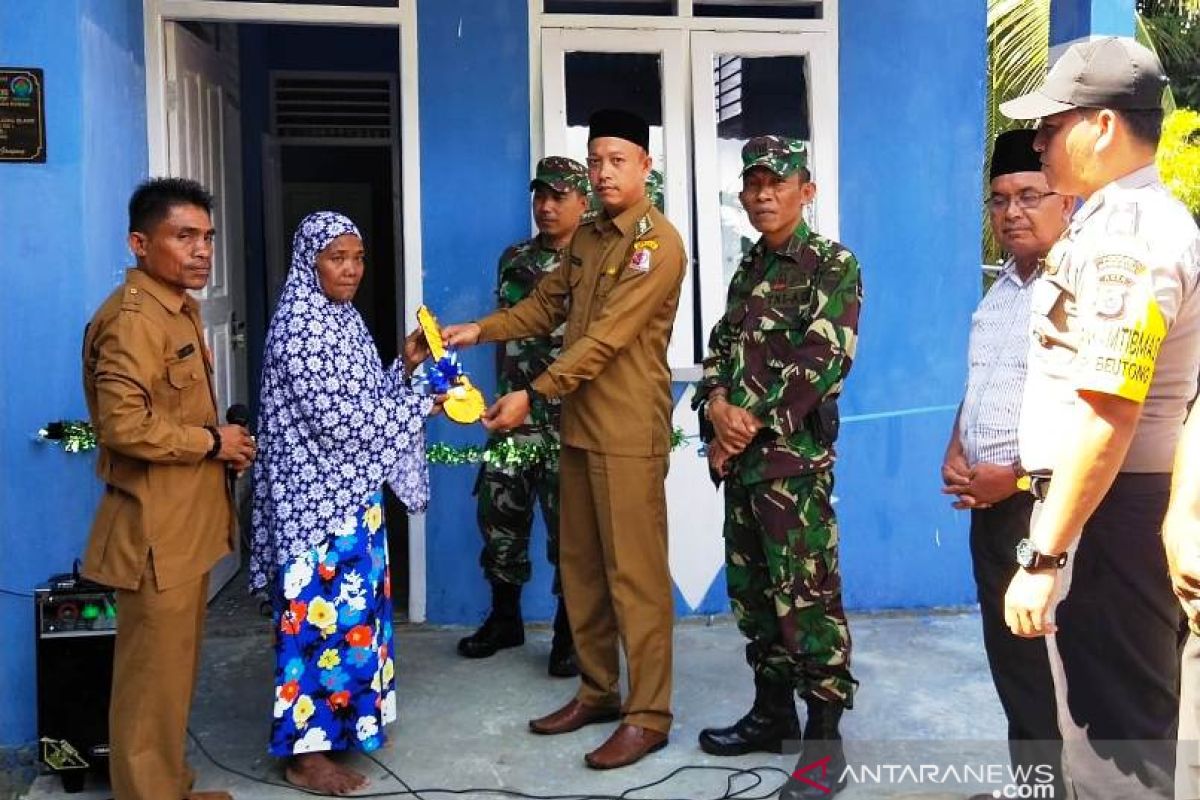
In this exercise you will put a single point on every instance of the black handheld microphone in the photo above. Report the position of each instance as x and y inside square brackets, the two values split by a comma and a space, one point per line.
[238, 414]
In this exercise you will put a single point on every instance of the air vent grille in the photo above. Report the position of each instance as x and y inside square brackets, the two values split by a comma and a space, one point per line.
[331, 106]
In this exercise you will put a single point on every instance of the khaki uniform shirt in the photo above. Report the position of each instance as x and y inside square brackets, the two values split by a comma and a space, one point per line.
[149, 392]
[1116, 311]
[617, 289]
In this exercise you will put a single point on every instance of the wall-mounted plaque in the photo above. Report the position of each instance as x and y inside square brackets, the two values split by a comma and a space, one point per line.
[22, 115]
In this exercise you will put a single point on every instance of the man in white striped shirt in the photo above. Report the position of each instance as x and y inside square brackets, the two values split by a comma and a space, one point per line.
[981, 467]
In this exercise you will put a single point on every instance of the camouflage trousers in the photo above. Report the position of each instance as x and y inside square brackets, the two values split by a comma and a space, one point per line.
[785, 585]
[505, 500]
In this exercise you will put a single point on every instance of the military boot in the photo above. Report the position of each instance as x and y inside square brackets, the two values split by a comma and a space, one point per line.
[503, 627]
[770, 723]
[562, 648]
[823, 764]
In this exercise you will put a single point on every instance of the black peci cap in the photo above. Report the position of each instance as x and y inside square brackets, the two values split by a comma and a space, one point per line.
[1013, 152]
[621, 124]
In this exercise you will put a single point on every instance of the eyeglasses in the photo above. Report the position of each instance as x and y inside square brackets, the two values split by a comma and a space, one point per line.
[1025, 200]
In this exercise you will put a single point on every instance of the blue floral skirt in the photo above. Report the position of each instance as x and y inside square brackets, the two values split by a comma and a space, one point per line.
[334, 669]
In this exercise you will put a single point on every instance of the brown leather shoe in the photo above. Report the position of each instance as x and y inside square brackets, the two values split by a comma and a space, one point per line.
[627, 745]
[571, 717]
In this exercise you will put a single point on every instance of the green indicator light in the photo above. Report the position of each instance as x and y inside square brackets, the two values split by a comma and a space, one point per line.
[90, 612]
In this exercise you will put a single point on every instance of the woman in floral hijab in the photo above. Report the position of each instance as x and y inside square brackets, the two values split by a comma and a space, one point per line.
[334, 427]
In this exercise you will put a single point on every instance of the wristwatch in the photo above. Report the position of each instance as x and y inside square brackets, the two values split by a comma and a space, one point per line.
[713, 398]
[1028, 557]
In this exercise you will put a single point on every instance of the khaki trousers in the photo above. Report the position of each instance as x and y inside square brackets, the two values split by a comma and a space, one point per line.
[616, 580]
[154, 673]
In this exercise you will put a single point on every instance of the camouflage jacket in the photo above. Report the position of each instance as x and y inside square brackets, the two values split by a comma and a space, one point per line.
[519, 361]
[784, 344]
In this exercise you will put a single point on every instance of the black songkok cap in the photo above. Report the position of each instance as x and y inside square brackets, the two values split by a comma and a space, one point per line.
[1013, 152]
[621, 124]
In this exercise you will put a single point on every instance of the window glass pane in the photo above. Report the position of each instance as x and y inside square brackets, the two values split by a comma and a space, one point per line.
[630, 81]
[764, 9]
[755, 96]
[638, 7]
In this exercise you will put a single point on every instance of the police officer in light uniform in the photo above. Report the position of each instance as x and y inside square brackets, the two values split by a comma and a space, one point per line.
[1112, 366]
[617, 290]
[507, 491]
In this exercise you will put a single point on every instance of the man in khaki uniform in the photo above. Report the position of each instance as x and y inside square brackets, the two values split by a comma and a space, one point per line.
[166, 515]
[617, 289]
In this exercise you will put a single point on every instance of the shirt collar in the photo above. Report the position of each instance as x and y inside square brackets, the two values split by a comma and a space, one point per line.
[1138, 179]
[627, 219]
[170, 300]
[539, 244]
[794, 245]
[1009, 271]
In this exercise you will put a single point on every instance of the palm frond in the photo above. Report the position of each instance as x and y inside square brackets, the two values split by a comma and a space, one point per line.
[1018, 35]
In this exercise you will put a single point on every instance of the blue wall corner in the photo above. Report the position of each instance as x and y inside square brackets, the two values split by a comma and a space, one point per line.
[473, 147]
[912, 95]
[1075, 19]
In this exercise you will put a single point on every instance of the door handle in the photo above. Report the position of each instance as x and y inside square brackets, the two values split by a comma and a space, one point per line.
[237, 339]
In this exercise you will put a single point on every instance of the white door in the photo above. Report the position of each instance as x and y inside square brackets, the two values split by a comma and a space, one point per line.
[204, 143]
[587, 69]
[715, 90]
[745, 85]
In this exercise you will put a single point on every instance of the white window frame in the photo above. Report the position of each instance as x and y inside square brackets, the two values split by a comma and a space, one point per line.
[821, 65]
[403, 17]
[669, 45]
[820, 39]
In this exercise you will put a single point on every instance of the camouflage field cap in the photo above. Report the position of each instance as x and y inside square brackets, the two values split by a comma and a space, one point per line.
[561, 174]
[781, 155]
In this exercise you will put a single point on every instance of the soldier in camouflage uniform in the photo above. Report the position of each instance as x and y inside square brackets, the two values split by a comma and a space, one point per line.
[775, 366]
[507, 493]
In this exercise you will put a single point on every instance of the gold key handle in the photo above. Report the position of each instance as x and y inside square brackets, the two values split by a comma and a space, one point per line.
[464, 402]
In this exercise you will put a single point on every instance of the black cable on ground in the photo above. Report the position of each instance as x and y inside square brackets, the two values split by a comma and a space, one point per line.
[756, 774]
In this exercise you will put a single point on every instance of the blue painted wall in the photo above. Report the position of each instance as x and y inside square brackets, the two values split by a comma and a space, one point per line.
[62, 252]
[474, 67]
[1073, 19]
[911, 145]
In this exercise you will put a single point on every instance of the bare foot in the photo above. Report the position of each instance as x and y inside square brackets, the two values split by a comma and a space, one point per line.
[318, 772]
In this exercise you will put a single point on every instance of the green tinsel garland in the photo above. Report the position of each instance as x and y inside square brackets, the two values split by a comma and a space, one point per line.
[72, 435]
[77, 436]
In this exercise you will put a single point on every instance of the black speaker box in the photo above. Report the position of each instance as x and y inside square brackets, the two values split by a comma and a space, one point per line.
[75, 624]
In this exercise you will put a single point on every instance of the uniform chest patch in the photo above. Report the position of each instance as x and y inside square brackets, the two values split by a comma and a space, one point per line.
[788, 297]
[640, 260]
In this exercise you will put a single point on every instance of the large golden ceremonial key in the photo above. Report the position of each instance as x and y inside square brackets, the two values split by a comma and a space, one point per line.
[464, 403]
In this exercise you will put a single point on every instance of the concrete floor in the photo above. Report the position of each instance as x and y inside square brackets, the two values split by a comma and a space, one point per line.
[925, 695]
